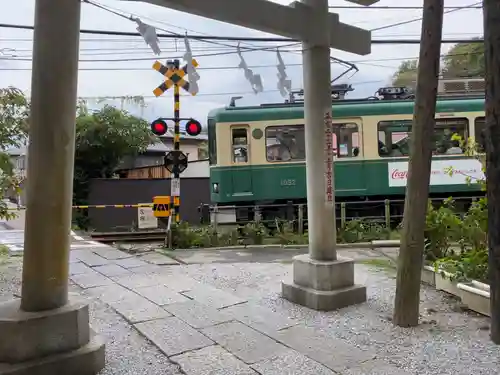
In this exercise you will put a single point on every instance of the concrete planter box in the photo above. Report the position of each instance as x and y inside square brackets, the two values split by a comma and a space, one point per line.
[428, 275]
[476, 296]
[445, 284]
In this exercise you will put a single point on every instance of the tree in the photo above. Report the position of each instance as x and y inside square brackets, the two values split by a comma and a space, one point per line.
[103, 139]
[203, 150]
[406, 75]
[464, 60]
[14, 113]
[491, 11]
[410, 260]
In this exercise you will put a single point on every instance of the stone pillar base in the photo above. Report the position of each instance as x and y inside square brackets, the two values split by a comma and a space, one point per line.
[50, 342]
[323, 286]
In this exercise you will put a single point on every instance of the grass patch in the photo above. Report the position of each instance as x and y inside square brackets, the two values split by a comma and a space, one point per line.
[4, 254]
[166, 252]
[383, 263]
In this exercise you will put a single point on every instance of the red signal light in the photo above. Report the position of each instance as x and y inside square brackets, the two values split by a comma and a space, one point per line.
[193, 128]
[159, 127]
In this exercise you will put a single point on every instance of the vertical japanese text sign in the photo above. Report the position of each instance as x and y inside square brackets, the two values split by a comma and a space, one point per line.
[328, 142]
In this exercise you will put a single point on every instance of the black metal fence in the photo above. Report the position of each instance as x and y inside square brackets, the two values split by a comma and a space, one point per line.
[385, 212]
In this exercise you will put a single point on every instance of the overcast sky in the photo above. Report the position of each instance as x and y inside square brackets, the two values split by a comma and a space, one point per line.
[220, 78]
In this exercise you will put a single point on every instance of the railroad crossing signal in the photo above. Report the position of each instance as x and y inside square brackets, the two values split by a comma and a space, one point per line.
[176, 162]
[159, 127]
[161, 206]
[193, 127]
[174, 76]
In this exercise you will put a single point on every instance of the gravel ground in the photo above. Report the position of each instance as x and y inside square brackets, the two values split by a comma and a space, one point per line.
[127, 352]
[449, 340]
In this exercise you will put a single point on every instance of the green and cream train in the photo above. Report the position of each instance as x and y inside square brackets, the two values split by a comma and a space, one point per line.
[257, 154]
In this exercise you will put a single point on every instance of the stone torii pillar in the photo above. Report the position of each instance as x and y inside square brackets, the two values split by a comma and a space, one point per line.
[320, 280]
[45, 332]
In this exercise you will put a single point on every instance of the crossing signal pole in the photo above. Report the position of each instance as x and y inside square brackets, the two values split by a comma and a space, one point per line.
[175, 187]
[176, 161]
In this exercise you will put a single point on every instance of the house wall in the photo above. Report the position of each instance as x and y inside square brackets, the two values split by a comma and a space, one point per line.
[196, 169]
[154, 155]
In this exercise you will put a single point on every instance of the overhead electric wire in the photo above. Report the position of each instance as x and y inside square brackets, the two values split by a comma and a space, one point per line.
[121, 51]
[241, 39]
[116, 97]
[231, 52]
[133, 17]
[119, 97]
[136, 40]
[420, 18]
[390, 7]
[158, 21]
[369, 62]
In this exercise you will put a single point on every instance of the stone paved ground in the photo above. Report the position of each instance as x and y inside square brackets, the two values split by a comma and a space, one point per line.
[13, 239]
[208, 319]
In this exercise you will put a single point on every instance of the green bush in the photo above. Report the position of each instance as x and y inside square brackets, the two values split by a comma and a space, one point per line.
[183, 236]
[254, 233]
[286, 235]
[471, 264]
[359, 230]
[442, 229]
[458, 245]
[282, 233]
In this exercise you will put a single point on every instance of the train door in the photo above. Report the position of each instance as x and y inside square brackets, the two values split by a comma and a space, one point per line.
[240, 158]
[348, 150]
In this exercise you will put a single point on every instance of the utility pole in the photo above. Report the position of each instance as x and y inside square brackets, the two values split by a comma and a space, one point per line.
[491, 11]
[410, 260]
[45, 332]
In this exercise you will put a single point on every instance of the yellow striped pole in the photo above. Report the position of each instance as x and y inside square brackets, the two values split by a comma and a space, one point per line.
[175, 186]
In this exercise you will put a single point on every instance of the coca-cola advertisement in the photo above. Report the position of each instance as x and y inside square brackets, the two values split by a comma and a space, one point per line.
[397, 174]
[443, 172]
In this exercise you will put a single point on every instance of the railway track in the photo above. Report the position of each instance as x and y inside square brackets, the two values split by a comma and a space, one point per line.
[142, 236]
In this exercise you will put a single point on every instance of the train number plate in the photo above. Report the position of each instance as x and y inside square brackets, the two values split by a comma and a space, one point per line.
[288, 182]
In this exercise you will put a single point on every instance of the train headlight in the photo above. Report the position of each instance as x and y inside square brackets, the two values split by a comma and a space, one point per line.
[215, 188]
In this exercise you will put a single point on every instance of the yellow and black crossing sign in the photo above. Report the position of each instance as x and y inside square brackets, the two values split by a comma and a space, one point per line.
[173, 76]
[161, 206]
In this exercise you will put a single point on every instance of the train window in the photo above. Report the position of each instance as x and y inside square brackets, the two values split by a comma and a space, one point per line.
[479, 133]
[394, 137]
[346, 140]
[239, 142]
[285, 143]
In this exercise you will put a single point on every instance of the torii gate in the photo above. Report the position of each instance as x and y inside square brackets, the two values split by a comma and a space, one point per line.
[320, 280]
[46, 331]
